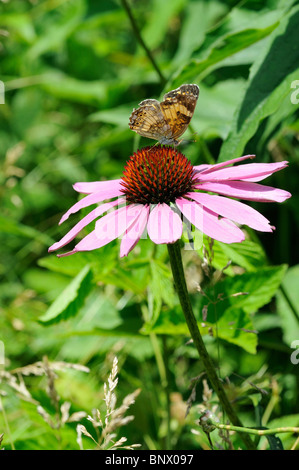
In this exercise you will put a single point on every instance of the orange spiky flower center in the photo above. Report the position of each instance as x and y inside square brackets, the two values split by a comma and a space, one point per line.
[157, 175]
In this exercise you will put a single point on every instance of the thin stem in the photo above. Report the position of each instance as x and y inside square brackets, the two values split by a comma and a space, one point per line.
[6, 424]
[180, 283]
[255, 432]
[159, 359]
[295, 444]
[166, 389]
[141, 41]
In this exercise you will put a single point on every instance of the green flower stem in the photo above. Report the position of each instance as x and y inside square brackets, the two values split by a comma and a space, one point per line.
[6, 425]
[138, 36]
[207, 421]
[181, 287]
[256, 432]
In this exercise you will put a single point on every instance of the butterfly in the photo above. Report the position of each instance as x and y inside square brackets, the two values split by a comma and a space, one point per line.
[167, 120]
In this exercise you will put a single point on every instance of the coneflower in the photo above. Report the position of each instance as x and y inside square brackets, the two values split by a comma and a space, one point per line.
[160, 189]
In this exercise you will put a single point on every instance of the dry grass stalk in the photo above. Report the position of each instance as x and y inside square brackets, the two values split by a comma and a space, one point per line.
[114, 417]
[15, 380]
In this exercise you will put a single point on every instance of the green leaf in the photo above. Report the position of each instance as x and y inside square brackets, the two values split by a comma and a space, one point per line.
[260, 286]
[70, 300]
[160, 289]
[235, 327]
[199, 17]
[216, 108]
[225, 47]
[229, 305]
[248, 255]
[118, 115]
[236, 299]
[288, 305]
[82, 91]
[13, 227]
[169, 322]
[274, 441]
[269, 84]
[285, 420]
[158, 24]
[55, 33]
[70, 266]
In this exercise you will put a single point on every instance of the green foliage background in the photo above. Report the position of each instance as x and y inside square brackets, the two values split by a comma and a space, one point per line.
[73, 71]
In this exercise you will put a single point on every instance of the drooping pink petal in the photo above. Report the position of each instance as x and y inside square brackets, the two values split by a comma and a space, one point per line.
[217, 166]
[164, 225]
[246, 190]
[118, 223]
[109, 227]
[249, 172]
[134, 233]
[85, 221]
[233, 210]
[63, 255]
[92, 198]
[88, 243]
[208, 222]
[96, 186]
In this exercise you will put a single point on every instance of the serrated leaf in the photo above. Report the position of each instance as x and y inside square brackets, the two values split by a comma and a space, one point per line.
[260, 286]
[233, 300]
[70, 300]
[235, 327]
[248, 255]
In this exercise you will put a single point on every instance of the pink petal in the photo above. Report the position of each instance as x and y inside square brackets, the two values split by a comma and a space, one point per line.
[249, 171]
[273, 167]
[62, 255]
[115, 224]
[201, 168]
[164, 225]
[96, 186]
[90, 242]
[133, 234]
[92, 198]
[85, 221]
[108, 228]
[217, 166]
[246, 190]
[233, 210]
[208, 222]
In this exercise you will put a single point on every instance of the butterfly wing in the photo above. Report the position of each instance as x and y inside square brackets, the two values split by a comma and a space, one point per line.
[178, 108]
[148, 120]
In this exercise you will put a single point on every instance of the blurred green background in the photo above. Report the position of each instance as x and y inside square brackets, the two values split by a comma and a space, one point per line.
[72, 72]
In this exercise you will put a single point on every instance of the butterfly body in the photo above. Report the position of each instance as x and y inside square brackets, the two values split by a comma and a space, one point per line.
[167, 120]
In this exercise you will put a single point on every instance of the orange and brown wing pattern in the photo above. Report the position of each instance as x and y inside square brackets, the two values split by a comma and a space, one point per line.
[148, 120]
[178, 108]
[168, 120]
